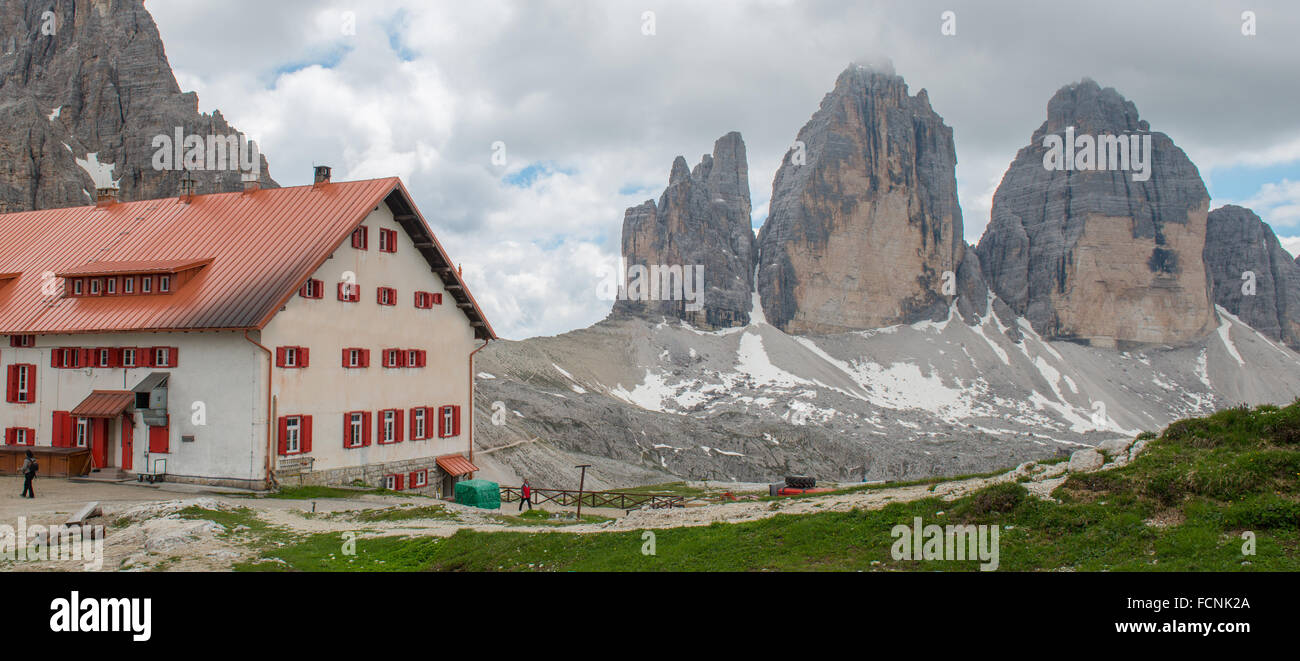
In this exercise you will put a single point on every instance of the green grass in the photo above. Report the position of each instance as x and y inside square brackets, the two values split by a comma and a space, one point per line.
[310, 492]
[403, 514]
[1183, 505]
[534, 517]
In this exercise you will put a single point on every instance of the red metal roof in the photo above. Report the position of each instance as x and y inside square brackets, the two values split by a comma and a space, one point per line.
[456, 465]
[262, 246]
[134, 267]
[104, 404]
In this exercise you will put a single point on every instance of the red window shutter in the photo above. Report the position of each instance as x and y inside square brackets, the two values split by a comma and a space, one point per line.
[160, 439]
[347, 430]
[86, 358]
[305, 433]
[437, 299]
[279, 356]
[144, 356]
[365, 358]
[60, 430]
[346, 353]
[11, 384]
[173, 356]
[414, 435]
[398, 436]
[398, 482]
[365, 428]
[304, 356]
[455, 421]
[422, 358]
[9, 436]
[283, 445]
[31, 436]
[343, 291]
[56, 355]
[114, 357]
[442, 430]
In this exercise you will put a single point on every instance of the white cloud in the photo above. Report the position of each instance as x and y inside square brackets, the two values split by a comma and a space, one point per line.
[574, 83]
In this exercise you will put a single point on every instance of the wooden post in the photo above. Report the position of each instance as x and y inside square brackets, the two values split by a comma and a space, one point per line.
[581, 483]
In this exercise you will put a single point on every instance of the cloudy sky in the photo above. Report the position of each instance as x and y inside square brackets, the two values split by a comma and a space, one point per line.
[589, 101]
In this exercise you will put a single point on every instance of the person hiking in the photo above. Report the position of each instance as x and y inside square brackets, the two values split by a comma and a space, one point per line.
[30, 466]
[527, 496]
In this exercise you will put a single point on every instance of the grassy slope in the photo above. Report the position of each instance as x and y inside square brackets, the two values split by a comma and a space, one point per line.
[1182, 505]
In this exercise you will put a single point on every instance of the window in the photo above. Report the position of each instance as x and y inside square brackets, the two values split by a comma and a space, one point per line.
[387, 296]
[292, 357]
[146, 284]
[128, 285]
[390, 426]
[83, 432]
[78, 287]
[313, 289]
[412, 358]
[164, 284]
[354, 358]
[448, 421]
[104, 358]
[162, 357]
[356, 431]
[65, 358]
[22, 341]
[392, 357]
[293, 428]
[128, 358]
[295, 434]
[419, 423]
[95, 285]
[110, 286]
[394, 483]
[419, 479]
[20, 436]
[21, 384]
[387, 240]
[425, 300]
[359, 238]
[349, 292]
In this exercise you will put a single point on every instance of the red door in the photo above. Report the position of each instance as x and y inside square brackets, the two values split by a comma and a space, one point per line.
[128, 448]
[99, 441]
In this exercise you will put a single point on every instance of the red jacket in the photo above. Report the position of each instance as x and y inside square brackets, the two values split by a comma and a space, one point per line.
[528, 491]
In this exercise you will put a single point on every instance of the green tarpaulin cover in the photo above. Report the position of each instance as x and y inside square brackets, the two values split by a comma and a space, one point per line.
[478, 493]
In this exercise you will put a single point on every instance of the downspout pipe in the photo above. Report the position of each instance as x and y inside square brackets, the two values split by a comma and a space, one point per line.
[270, 450]
[471, 398]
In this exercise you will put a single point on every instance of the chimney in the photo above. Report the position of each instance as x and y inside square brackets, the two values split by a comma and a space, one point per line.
[105, 197]
[251, 183]
[187, 187]
[322, 175]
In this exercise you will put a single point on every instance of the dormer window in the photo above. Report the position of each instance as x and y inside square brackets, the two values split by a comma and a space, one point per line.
[78, 287]
[110, 286]
[164, 284]
[134, 277]
[128, 285]
[95, 286]
[146, 285]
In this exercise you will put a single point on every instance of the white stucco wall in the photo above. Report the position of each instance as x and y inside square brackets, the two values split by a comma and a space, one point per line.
[215, 369]
[325, 389]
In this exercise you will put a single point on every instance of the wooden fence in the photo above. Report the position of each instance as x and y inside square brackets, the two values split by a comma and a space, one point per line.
[567, 498]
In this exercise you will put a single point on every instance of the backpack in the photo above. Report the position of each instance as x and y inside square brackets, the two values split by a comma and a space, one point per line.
[33, 467]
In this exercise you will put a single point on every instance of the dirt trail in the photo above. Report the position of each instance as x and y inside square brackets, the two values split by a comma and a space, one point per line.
[154, 537]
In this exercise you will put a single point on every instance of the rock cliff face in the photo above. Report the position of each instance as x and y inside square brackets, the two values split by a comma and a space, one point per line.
[864, 229]
[1254, 277]
[90, 80]
[1099, 255]
[699, 234]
